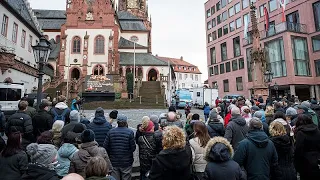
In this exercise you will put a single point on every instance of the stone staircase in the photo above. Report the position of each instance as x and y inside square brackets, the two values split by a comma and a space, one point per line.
[150, 92]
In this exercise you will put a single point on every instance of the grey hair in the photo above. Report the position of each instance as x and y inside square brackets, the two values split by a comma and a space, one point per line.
[255, 123]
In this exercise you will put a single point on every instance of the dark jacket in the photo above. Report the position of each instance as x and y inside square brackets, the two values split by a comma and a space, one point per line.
[2, 122]
[120, 146]
[307, 151]
[172, 164]
[280, 110]
[59, 108]
[269, 118]
[215, 128]
[284, 149]
[147, 151]
[13, 167]
[31, 111]
[69, 127]
[258, 156]
[100, 126]
[316, 109]
[236, 130]
[41, 122]
[38, 172]
[158, 139]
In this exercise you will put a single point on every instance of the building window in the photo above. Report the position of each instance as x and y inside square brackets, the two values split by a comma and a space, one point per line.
[225, 29]
[180, 76]
[99, 45]
[248, 55]
[196, 77]
[238, 23]
[30, 43]
[191, 76]
[222, 68]
[216, 70]
[224, 16]
[228, 67]
[76, 45]
[237, 7]
[208, 13]
[239, 84]
[231, 11]
[219, 19]
[246, 18]
[316, 12]
[183, 85]
[213, 55]
[293, 21]
[23, 39]
[4, 27]
[236, 47]
[209, 38]
[214, 35]
[224, 55]
[58, 39]
[241, 63]
[15, 33]
[245, 4]
[234, 65]
[316, 43]
[272, 5]
[219, 32]
[317, 66]
[300, 56]
[261, 10]
[185, 76]
[214, 22]
[276, 58]
[226, 85]
[98, 70]
[223, 3]
[232, 26]
[213, 9]
[209, 25]
[218, 6]
[211, 71]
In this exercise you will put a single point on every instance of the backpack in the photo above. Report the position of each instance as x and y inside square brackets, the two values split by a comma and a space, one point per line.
[60, 117]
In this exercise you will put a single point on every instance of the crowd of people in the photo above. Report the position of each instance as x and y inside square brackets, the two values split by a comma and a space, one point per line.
[236, 140]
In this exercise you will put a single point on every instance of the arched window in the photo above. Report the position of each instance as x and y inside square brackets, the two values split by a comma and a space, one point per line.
[58, 39]
[76, 45]
[99, 45]
[98, 70]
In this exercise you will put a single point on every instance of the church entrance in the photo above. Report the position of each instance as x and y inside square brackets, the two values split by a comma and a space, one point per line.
[75, 73]
[152, 75]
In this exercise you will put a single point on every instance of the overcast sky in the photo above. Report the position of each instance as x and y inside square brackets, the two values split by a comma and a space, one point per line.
[178, 28]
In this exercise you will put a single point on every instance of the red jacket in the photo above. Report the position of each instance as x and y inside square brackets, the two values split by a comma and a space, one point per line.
[227, 119]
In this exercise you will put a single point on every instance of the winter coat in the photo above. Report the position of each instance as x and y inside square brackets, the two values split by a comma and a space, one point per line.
[158, 139]
[197, 155]
[307, 151]
[69, 127]
[236, 130]
[65, 154]
[59, 108]
[314, 117]
[41, 122]
[215, 128]
[280, 110]
[86, 152]
[269, 118]
[175, 123]
[2, 122]
[101, 178]
[206, 110]
[218, 154]
[120, 146]
[284, 149]
[172, 164]
[227, 119]
[147, 151]
[13, 167]
[31, 111]
[316, 109]
[56, 138]
[100, 126]
[38, 172]
[258, 156]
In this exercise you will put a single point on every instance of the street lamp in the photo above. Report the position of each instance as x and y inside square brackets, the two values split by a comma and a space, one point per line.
[268, 76]
[41, 54]
[276, 88]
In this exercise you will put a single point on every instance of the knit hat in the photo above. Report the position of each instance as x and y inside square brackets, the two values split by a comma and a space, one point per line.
[213, 115]
[306, 104]
[255, 123]
[291, 112]
[87, 136]
[235, 111]
[99, 112]
[57, 126]
[122, 118]
[74, 116]
[42, 153]
[78, 128]
[258, 114]
[154, 119]
[113, 114]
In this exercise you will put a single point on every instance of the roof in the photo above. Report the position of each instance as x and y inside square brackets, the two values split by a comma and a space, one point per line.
[55, 49]
[125, 15]
[190, 68]
[50, 14]
[124, 43]
[142, 59]
[135, 25]
[51, 23]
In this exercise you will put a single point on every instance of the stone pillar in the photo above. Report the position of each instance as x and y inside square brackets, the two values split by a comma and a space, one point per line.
[317, 92]
[292, 90]
[312, 93]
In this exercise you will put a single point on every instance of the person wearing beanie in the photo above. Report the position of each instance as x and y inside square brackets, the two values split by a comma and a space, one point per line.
[74, 120]
[42, 121]
[120, 146]
[257, 154]
[215, 126]
[291, 114]
[113, 118]
[56, 130]
[260, 115]
[237, 128]
[155, 120]
[88, 149]
[100, 126]
[43, 162]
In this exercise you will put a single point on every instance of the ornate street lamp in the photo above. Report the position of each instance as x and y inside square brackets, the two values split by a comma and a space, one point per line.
[41, 54]
[268, 76]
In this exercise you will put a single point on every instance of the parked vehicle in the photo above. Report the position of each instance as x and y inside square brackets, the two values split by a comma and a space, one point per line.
[231, 97]
[184, 97]
[203, 95]
[10, 95]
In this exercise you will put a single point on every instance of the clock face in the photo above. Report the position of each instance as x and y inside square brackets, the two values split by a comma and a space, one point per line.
[132, 4]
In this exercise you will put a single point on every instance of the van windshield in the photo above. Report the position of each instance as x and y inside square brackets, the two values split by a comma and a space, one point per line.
[10, 94]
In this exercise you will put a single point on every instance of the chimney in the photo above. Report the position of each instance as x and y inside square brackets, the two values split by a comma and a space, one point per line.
[181, 57]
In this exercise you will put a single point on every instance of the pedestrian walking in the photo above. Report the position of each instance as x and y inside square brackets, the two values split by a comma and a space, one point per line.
[61, 111]
[206, 111]
[215, 126]
[187, 109]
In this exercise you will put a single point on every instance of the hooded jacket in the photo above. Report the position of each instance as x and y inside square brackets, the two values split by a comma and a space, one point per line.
[316, 109]
[41, 122]
[197, 155]
[59, 108]
[215, 128]
[13, 167]
[236, 130]
[147, 152]
[38, 172]
[172, 164]
[258, 156]
[206, 110]
[218, 154]
[100, 126]
[65, 154]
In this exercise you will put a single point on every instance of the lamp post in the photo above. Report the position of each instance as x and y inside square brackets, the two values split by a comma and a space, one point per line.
[41, 54]
[134, 39]
[276, 88]
[268, 76]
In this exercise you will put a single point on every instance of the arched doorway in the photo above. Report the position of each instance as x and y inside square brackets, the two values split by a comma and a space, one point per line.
[152, 75]
[75, 73]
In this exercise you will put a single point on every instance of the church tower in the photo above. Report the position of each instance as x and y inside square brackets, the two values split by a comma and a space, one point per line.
[136, 7]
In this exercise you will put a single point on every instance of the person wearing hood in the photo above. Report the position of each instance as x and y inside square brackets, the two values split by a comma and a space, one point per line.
[206, 111]
[42, 121]
[313, 114]
[61, 111]
[218, 154]
[284, 147]
[260, 115]
[155, 120]
[257, 154]
[246, 113]
[174, 161]
[100, 126]
[291, 114]
[74, 120]
[56, 130]
[315, 107]
[237, 128]
[65, 153]
[215, 127]
[43, 162]
[88, 149]
[307, 148]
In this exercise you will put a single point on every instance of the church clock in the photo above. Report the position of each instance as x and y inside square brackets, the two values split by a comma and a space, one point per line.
[132, 4]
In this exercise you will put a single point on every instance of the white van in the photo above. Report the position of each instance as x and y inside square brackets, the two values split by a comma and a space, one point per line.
[10, 95]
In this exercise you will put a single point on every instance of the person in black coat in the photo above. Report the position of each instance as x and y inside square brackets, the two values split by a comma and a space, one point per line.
[284, 148]
[43, 120]
[218, 154]
[307, 148]
[100, 126]
[215, 127]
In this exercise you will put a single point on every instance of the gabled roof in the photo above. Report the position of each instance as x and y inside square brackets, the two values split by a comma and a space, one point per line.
[55, 49]
[50, 14]
[124, 43]
[142, 59]
[129, 25]
[51, 23]
[185, 67]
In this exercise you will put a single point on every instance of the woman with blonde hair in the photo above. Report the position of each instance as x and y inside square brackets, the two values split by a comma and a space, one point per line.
[284, 147]
[269, 114]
